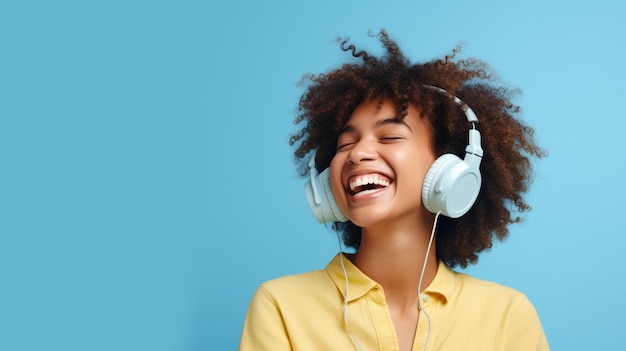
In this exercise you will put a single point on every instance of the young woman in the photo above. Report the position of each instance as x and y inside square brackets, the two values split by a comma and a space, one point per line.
[418, 167]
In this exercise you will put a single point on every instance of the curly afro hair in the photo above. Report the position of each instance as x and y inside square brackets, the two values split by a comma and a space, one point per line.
[508, 143]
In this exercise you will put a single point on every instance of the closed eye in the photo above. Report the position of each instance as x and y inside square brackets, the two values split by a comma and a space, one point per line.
[391, 138]
[339, 147]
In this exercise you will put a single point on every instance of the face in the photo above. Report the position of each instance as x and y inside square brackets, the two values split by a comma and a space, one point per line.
[380, 164]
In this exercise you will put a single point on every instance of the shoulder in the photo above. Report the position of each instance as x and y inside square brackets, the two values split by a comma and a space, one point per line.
[486, 290]
[275, 309]
[511, 310]
[493, 301]
[294, 299]
[291, 290]
[461, 288]
[505, 315]
[302, 282]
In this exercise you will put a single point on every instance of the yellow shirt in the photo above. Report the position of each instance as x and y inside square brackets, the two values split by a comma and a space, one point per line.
[305, 313]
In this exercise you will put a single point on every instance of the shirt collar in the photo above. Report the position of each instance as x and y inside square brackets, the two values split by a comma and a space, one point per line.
[441, 287]
[443, 284]
[359, 283]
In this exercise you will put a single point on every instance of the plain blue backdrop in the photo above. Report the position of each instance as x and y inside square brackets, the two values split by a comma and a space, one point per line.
[147, 186]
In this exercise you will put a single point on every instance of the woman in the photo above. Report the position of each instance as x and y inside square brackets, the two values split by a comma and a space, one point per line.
[397, 155]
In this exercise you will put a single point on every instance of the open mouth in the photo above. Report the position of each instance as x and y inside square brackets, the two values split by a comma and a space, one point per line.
[368, 183]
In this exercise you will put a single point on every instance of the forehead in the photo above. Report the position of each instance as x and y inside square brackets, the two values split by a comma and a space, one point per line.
[373, 109]
[373, 113]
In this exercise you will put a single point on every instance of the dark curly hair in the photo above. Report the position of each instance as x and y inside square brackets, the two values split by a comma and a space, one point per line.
[330, 98]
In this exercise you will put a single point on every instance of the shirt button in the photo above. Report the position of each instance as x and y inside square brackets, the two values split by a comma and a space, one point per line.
[426, 298]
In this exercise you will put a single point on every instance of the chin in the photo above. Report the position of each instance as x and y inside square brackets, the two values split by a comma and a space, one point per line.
[365, 219]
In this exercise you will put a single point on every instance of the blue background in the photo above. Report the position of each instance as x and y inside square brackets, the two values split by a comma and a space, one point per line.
[147, 187]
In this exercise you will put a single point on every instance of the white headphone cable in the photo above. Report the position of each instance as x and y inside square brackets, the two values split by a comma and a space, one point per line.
[345, 297]
[419, 284]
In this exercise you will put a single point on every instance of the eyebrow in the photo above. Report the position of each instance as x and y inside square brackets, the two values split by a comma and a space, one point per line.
[381, 122]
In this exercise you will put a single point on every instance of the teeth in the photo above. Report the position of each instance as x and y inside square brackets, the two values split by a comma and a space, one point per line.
[365, 192]
[368, 179]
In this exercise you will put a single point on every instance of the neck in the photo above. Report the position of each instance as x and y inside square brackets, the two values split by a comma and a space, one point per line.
[394, 255]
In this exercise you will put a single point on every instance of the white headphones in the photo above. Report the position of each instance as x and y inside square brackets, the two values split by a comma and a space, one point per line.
[451, 185]
[320, 195]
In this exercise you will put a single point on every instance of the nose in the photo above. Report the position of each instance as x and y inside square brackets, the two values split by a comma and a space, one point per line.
[362, 151]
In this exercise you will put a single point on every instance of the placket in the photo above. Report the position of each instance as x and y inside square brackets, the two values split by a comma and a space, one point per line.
[430, 306]
[381, 318]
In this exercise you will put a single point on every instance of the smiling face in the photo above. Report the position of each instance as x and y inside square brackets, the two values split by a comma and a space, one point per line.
[380, 164]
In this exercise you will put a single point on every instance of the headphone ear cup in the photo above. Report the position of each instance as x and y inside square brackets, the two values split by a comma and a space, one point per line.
[327, 209]
[451, 186]
[335, 214]
[431, 195]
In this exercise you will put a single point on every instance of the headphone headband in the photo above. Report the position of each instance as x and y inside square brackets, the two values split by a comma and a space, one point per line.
[469, 113]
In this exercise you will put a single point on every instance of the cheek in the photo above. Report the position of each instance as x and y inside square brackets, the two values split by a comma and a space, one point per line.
[335, 180]
[415, 165]
[427, 161]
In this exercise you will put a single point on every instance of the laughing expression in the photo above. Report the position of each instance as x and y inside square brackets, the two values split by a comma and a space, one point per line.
[380, 164]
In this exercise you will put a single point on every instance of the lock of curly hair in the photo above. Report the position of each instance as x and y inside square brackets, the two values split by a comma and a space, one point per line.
[508, 143]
